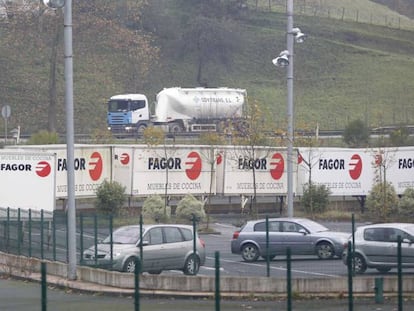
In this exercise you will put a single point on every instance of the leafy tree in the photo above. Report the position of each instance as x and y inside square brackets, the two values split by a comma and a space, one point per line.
[188, 207]
[154, 208]
[406, 203]
[153, 136]
[382, 201]
[315, 198]
[253, 132]
[211, 40]
[356, 134]
[110, 197]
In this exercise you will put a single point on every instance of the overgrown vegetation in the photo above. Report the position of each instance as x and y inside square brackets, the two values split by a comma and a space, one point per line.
[190, 207]
[315, 199]
[357, 70]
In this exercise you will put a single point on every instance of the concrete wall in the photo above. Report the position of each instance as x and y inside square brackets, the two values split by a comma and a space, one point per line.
[103, 280]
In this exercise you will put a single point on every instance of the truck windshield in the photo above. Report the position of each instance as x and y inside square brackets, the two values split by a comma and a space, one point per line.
[125, 105]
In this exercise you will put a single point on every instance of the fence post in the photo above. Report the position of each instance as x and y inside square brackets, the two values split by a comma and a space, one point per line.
[19, 233]
[141, 251]
[137, 272]
[267, 248]
[44, 286]
[8, 230]
[350, 276]
[41, 234]
[217, 289]
[95, 233]
[289, 279]
[81, 238]
[30, 233]
[400, 285]
[194, 239]
[111, 236]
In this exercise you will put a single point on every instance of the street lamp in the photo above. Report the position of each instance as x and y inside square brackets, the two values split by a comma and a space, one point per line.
[285, 59]
[67, 8]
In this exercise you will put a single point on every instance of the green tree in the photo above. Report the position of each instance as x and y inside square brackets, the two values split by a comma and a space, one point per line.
[188, 207]
[406, 203]
[356, 134]
[382, 201]
[315, 198]
[154, 209]
[212, 40]
[110, 197]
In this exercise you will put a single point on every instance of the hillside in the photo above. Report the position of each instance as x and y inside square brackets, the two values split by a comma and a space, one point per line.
[358, 62]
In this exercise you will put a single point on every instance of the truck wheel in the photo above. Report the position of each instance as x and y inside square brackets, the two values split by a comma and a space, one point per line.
[141, 128]
[175, 128]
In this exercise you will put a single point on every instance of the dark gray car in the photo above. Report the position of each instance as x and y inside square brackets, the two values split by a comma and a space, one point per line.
[303, 236]
[165, 247]
[376, 246]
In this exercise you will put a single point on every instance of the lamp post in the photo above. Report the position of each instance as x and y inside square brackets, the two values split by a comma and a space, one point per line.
[285, 59]
[70, 157]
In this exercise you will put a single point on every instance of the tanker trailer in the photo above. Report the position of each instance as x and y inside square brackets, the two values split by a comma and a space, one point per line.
[198, 109]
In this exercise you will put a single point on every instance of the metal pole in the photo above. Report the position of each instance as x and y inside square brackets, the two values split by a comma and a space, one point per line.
[290, 159]
[70, 139]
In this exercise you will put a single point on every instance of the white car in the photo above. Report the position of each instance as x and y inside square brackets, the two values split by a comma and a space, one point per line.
[376, 247]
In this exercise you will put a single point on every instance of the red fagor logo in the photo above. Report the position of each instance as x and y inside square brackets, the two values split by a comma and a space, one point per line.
[194, 165]
[124, 158]
[219, 159]
[278, 165]
[96, 166]
[355, 166]
[43, 169]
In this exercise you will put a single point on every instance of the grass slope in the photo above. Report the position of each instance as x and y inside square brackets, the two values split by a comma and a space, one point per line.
[345, 70]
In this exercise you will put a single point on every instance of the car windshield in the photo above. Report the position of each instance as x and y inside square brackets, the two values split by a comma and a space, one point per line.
[124, 235]
[313, 226]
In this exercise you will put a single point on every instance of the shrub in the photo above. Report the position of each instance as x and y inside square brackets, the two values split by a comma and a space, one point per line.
[43, 137]
[382, 200]
[188, 207]
[406, 203]
[154, 208]
[110, 197]
[315, 198]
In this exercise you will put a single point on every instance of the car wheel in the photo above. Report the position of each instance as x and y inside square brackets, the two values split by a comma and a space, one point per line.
[250, 252]
[129, 265]
[325, 250]
[384, 269]
[359, 264]
[192, 265]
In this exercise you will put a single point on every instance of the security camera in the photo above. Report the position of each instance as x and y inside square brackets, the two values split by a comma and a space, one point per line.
[282, 60]
[54, 4]
[299, 35]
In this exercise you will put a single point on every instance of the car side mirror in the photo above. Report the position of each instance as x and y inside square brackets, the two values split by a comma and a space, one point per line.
[144, 243]
[303, 231]
[408, 241]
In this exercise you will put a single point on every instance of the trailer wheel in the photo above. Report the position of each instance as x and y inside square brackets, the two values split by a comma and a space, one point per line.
[176, 128]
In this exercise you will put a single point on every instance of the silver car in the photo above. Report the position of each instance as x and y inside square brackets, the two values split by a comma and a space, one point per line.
[376, 247]
[301, 235]
[165, 247]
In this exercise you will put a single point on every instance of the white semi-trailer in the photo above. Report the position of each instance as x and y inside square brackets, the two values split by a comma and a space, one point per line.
[178, 110]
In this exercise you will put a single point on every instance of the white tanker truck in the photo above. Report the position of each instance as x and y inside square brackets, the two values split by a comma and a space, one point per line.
[178, 110]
